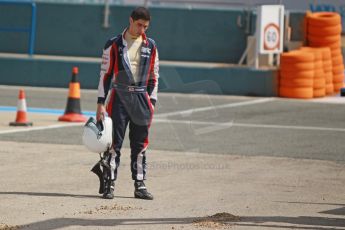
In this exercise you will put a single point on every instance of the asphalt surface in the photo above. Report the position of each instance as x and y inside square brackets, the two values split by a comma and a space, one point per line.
[50, 186]
[259, 163]
[212, 124]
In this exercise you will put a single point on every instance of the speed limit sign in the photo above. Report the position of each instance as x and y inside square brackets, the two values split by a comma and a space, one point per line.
[271, 37]
[270, 25]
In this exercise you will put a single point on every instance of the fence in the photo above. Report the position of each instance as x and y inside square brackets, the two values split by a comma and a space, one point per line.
[31, 30]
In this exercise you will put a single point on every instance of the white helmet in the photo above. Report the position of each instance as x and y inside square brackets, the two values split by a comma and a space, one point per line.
[97, 136]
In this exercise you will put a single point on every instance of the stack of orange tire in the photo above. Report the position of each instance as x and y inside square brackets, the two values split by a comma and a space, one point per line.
[297, 74]
[328, 69]
[324, 30]
[319, 86]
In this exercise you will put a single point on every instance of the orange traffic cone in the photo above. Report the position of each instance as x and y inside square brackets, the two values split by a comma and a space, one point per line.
[73, 111]
[21, 118]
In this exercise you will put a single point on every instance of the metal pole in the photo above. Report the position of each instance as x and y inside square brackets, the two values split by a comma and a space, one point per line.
[106, 14]
[33, 29]
[245, 53]
[257, 39]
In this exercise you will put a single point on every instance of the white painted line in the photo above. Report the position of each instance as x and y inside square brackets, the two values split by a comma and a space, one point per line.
[28, 129]
[330, 100]
[233, 124]
[231, 105]
[290, 127]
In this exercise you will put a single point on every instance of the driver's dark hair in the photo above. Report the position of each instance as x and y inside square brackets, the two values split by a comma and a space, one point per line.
[141, 13]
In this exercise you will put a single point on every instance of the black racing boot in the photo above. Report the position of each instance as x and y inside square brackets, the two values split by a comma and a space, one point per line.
[109, 190]
[141, 191]
[98, 171]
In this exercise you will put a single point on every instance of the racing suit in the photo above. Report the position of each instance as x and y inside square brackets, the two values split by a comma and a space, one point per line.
[128, 101]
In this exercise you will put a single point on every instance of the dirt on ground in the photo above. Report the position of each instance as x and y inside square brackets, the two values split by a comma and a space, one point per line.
[8, 227]
[216, 221]
[104, 209]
